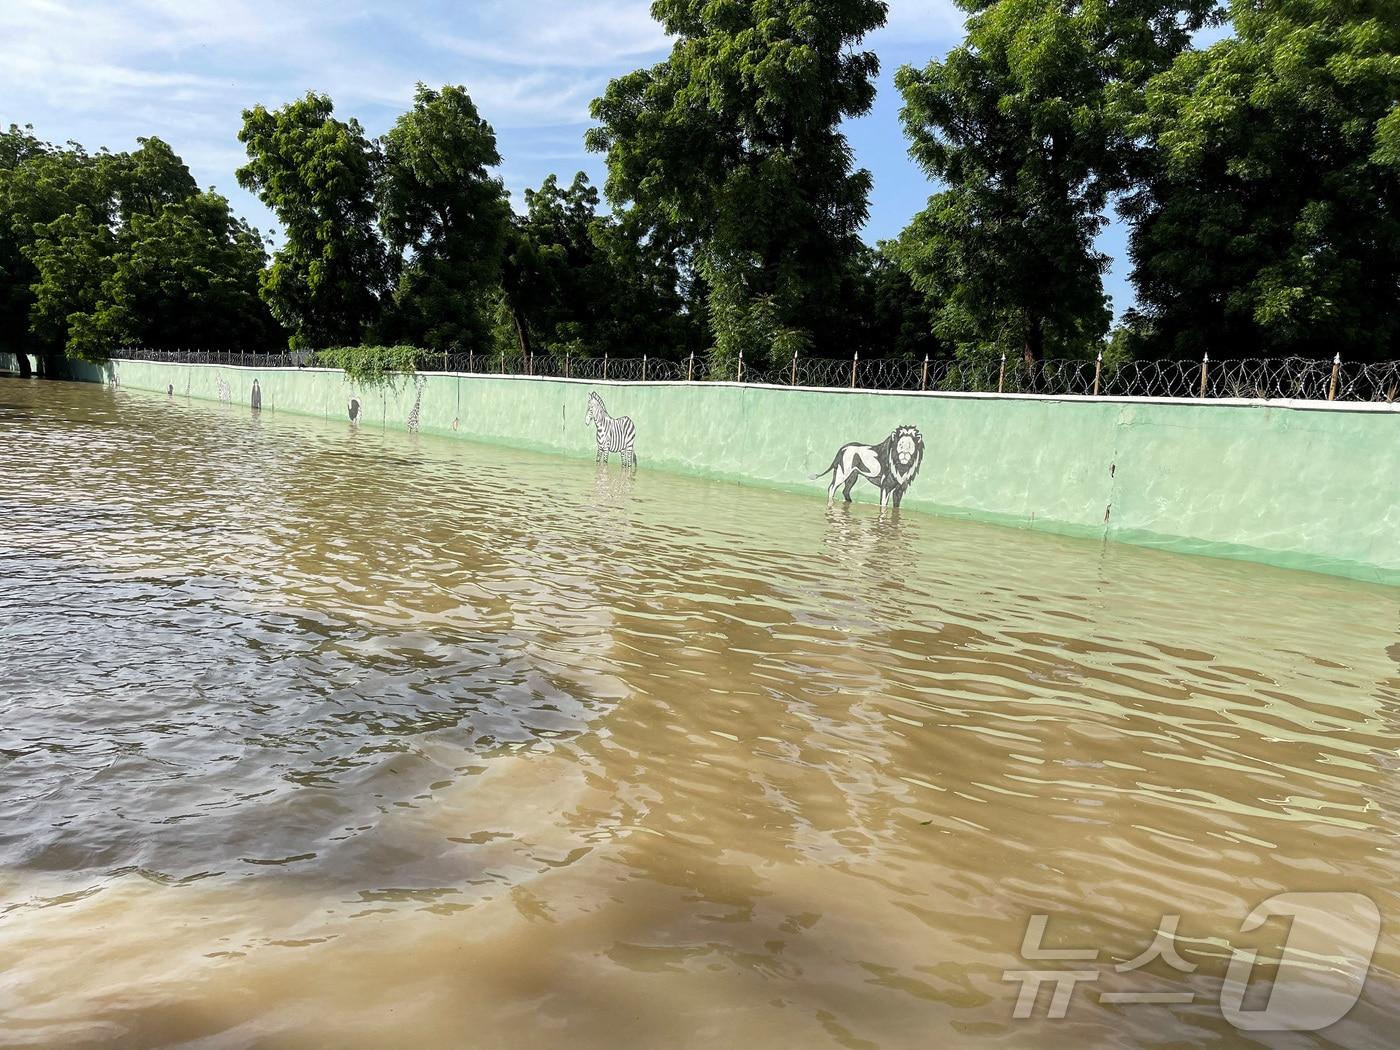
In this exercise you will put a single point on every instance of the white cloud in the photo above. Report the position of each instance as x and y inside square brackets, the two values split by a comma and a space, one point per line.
[554, 33]
[103, 72]
[921, 22]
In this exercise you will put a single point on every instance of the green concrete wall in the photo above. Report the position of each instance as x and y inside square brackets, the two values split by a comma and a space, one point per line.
[1293, 484]
[67, 368]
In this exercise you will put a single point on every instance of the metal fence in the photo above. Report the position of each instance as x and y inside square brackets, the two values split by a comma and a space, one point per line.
[1294, 378]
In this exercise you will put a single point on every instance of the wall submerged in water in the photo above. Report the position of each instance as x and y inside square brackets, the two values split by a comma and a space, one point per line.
[63, 367]
[1293, 484]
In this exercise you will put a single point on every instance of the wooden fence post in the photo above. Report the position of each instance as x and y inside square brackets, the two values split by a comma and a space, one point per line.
[1336, 374]
[1205, 371]
[644, 368]
[855, 365]
[923, 379]
[740, 378]
[794, 368]
[605, 364]
[1098, 372]
[690, 368]
[1001, 376]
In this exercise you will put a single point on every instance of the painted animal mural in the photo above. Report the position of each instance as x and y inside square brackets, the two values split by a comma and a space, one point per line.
[891, 466]
[614, 434]
[415, 416]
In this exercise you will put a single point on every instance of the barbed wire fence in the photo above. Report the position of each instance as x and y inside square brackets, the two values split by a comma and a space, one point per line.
[1290, 378]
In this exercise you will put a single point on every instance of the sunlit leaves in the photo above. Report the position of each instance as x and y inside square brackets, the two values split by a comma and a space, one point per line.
[445, 215]
[1269, 221]
[318, 174]
[734, 143]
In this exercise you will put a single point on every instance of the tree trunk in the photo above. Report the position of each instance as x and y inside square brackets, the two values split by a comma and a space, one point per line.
[1035, 352]
[24, 370]
[522, 334]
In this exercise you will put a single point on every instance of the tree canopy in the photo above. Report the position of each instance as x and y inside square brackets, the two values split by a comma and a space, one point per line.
[735, 142]
[586, 283]
[1267, 221]
[1258, 178]
[445, 216]
[317, 173]
[107, 250]
[1019, 124]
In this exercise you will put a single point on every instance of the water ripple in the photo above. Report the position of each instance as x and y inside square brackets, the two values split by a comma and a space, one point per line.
[361, 739]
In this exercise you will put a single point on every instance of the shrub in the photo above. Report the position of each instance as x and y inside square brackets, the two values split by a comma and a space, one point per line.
[371, 365]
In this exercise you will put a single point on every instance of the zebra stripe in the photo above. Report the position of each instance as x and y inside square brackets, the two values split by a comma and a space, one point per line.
[614, 434]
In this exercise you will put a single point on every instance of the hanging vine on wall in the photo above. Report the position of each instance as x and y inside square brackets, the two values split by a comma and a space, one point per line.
[371, 365]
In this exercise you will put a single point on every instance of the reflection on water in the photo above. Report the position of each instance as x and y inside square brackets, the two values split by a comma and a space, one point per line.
[319, 737]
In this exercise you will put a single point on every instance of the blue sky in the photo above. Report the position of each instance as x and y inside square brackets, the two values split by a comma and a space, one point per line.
[104, 73]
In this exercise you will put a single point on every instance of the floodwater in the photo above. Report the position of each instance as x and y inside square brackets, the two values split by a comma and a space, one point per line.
[321, 737]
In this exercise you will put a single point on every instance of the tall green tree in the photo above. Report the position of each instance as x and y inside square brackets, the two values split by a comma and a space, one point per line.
[186, 276]
[587, 283]
[734, 143]
[652, 300]
[318, 174]
[1019, 122]
[448, 216]
[73, 257]
[160, 265]
[555, 278]
[39, 183]
[886, 315]
[147, 180]
[121, 249]
[1268, 219]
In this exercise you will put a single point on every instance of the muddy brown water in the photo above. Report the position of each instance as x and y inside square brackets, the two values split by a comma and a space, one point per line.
[316, 736]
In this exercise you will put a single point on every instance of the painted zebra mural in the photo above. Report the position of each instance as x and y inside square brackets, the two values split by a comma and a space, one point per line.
[614, 435]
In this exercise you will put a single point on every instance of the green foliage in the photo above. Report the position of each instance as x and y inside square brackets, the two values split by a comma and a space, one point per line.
[39, 183]
[1260, 177]
[317, 173]
[1268, 217]
[649, 298]
[734, 143]
[1018, 123]
[149, 179]
[371, 365]
[584, 283]
[886, 315]
[559, 280]
[115, 249]
[188, 276]
[439, 203]
[73, 258]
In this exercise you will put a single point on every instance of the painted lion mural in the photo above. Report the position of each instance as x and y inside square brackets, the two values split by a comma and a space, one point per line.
[891, 466]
